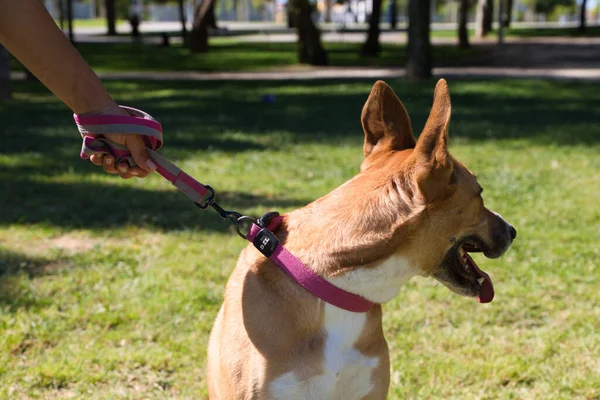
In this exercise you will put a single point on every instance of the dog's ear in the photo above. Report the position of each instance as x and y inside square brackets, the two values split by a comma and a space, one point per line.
[433, 163]
[385, 121]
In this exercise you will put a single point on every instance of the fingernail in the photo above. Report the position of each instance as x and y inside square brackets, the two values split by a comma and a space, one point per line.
[150, 164]
[109, 161]
[134, 172]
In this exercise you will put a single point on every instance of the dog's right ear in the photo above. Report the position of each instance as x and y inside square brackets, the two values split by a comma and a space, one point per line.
[385, 121]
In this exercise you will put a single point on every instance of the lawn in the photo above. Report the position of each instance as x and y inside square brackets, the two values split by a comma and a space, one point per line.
[591, 31]
[90, 23]
[108, 288]
[229, 54]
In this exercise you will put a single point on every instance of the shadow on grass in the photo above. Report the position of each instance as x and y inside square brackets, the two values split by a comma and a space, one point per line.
[39, 135]
[15, 292]
[93, 206]
[245, 56]
[551, 112]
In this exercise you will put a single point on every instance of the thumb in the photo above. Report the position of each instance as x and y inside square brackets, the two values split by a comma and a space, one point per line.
[137, 148]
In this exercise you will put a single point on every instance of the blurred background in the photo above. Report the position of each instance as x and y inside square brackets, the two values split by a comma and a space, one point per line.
[109, 287]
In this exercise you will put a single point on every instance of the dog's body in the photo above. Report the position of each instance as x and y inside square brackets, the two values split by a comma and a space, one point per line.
[412, 210]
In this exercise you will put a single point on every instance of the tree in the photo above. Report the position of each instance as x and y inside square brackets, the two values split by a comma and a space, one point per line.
[310, 49]
[419, 45]
[70, 20]
[393, 14]
[372, 47]
[5, 86]
[508, 18]
[61, 14]
[328, 7]
[111, 17]
[484, 17]
[199, 35]
[212, 18]
[582, 16]
[182, 19]
[547, 6]
[463, 33]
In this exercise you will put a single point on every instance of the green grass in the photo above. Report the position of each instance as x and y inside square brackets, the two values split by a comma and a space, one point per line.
[91, 23]
[108, 288]
[567, 32]
[591, 31]
[228, 54]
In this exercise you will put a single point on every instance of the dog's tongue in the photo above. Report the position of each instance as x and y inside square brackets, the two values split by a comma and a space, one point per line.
[486, 293]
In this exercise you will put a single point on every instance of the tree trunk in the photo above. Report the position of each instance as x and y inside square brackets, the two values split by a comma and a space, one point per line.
[199, 34]
[463, 33]
[183, 22]
[484, 18]
[5, 85]
[110, 17]
[61, 14]
[310, 49]
[393, 14]
[372, 47]
[508, 19]
[328, 7]
[70, 20]
[419, 46]
[212, 19]
[582, 11]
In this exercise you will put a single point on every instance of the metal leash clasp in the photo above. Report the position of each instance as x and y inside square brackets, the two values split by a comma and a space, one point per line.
[234, 217]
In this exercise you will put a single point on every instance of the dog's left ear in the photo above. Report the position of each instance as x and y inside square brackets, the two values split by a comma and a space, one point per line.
[433, 163]
[385, 121]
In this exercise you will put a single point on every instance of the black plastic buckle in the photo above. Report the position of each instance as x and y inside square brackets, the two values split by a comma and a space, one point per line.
[263, 221]
[209, 200]
[265, 242]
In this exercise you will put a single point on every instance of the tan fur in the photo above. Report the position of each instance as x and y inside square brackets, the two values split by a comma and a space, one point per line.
[410, 199]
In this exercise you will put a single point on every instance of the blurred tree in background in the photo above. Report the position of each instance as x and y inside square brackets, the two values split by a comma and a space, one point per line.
[420, 57]
[5, 86]
[310, 48]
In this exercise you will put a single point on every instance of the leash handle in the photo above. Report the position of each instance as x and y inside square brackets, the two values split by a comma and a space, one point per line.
[137, 122]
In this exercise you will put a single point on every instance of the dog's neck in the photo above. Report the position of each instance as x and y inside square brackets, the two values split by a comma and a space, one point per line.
[351, 237]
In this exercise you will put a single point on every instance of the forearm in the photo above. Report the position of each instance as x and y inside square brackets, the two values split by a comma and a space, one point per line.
[30, 34]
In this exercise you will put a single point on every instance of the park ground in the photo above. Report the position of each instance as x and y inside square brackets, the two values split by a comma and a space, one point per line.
[108, 288]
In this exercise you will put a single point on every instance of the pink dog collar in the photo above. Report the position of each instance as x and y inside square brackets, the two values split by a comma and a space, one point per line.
[138, 122]
[264, 240]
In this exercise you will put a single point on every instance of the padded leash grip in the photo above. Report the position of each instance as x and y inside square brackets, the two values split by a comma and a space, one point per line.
[138, 122]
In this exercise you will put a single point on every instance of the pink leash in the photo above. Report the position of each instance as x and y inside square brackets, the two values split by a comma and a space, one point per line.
[261, 232]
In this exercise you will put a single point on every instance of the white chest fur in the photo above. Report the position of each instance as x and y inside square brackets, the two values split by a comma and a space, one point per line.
[380, 283]
[346, 372]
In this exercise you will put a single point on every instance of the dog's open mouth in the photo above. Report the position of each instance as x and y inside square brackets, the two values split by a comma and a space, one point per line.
[466, 267]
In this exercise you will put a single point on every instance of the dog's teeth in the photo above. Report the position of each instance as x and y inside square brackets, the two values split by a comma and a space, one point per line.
[481, 280]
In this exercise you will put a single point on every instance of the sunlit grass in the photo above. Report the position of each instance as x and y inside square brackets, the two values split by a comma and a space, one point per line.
[108, 288]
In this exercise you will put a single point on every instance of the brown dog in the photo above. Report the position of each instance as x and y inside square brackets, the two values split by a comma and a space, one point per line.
[412, 210]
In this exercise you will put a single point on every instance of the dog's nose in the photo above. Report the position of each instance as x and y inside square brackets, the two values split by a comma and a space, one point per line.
[513, 232]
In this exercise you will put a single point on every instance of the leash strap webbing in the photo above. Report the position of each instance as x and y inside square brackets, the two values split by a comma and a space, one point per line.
[137, 122]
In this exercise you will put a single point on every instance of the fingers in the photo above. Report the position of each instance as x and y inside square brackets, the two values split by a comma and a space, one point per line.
[107, 162]
[126, 172]
[137, 148]
[97, 158]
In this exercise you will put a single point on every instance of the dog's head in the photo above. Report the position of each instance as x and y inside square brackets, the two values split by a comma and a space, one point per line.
[442, 214]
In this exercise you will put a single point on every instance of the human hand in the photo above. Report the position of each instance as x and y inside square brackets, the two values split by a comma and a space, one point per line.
[135, 145]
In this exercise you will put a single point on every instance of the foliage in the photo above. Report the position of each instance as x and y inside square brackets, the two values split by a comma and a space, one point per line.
[547, 6]
[108, 288]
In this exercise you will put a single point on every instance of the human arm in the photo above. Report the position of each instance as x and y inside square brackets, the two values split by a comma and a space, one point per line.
[30, 34]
